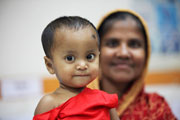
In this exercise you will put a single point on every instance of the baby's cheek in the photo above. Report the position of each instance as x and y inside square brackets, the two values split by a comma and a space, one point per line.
[94, 72]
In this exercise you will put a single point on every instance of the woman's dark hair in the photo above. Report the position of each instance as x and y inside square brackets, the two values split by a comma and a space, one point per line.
[106, 25]
[70, 22]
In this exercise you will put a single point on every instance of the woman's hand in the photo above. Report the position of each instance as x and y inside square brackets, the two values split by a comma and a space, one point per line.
[113, 114]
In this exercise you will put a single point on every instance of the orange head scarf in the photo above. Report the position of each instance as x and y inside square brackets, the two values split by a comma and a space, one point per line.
[137, 86]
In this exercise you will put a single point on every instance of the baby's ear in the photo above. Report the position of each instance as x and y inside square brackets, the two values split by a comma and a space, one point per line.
[49, 64]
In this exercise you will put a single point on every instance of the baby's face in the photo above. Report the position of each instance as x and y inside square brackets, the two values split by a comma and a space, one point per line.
[75, 56]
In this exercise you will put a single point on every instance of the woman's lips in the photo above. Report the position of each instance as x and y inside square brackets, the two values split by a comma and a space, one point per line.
[121, 65]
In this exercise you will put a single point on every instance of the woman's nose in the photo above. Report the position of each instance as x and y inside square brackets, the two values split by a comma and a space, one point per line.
[123, 51]
[81, 65]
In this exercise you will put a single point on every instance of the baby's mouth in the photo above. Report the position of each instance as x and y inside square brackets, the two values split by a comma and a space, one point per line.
[81, 75]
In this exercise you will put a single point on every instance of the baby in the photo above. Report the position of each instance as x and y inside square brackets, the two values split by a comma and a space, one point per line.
[72, 54]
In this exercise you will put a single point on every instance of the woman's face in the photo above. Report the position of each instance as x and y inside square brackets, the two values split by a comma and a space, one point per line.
[122, 55]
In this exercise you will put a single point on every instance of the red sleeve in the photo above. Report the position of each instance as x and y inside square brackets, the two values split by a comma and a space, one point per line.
[110, 100]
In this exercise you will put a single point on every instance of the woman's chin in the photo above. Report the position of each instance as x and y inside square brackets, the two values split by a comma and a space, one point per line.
[123, 78]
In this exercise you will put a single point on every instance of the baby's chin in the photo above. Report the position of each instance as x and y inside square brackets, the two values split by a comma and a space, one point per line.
[80, 85]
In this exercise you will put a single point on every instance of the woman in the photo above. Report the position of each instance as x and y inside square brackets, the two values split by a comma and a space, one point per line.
[125, 51]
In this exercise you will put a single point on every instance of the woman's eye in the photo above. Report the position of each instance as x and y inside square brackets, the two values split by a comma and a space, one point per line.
[135, 44]
[90, 56]
[70, 58]
[112, 43]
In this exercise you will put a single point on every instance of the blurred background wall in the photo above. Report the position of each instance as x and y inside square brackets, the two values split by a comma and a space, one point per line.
[23, 75]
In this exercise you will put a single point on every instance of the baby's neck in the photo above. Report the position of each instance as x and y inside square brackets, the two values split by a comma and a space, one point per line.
[64, 93]
[67, 89]
[74, 90]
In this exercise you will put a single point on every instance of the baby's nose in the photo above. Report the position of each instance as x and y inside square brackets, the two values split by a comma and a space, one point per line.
[82, 65]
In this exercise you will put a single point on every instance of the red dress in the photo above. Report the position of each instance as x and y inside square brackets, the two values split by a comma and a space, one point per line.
[148, 107]
[87, 105]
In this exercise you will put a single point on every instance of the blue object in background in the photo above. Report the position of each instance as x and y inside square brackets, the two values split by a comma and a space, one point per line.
[167, 19]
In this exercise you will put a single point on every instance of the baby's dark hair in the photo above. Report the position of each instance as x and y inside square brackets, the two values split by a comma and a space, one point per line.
[70, 22]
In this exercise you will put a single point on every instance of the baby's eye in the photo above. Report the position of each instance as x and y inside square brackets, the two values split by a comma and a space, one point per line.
[90, 56]
[70, 58]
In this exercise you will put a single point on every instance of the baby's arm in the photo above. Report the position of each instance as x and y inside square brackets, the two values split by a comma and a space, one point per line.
[44, 105]
[114, 115]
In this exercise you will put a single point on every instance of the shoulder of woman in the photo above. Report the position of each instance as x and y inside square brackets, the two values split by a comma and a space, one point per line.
[155, 96]
[156, 99]
[158, 104]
